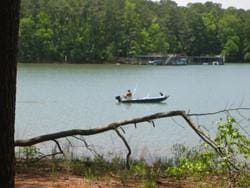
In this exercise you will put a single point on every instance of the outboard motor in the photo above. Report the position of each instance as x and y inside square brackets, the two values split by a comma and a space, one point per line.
[118, 98]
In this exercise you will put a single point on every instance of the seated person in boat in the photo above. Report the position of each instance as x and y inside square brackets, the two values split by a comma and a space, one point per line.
[128, 94]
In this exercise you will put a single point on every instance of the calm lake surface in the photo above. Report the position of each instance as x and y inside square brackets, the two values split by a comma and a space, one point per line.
[55, 97]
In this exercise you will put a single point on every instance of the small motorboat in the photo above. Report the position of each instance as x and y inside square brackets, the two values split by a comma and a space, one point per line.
[161, 98]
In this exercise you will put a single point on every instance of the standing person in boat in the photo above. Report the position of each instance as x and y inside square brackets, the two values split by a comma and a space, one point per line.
[128, 94]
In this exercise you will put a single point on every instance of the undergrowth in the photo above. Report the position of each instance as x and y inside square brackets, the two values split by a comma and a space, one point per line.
[199, 163]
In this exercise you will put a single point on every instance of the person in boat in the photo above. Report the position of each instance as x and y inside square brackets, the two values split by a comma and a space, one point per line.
[128, 94]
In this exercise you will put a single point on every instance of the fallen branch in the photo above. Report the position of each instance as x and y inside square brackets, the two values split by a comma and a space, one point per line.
[88, 132]
[115, 125]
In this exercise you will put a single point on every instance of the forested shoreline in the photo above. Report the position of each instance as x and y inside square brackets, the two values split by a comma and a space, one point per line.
[86, 31]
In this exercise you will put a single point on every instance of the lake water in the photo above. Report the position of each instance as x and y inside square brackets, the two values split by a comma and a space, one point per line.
[53, 97]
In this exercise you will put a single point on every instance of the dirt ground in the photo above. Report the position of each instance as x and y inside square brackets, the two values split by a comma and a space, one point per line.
[60, 182]
[36, 177]
[33, 180]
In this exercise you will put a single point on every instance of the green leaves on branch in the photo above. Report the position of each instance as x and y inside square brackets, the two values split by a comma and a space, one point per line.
[203, 160]
[231, 140]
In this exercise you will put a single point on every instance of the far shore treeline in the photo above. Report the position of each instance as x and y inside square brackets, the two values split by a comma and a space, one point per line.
[83, 31]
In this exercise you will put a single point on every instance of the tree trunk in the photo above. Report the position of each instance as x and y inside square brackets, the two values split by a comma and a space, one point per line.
[9, 22]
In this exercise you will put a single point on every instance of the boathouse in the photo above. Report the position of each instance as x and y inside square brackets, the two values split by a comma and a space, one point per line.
[206, 60]
[175, 59]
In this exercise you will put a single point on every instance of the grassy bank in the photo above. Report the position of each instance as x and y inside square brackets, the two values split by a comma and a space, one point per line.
[190, 167]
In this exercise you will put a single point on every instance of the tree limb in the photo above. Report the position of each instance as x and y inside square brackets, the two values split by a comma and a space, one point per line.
[88, 132]
[127, 145]
[115, 125]
[59, 147]
[88, 147]
[218, 112]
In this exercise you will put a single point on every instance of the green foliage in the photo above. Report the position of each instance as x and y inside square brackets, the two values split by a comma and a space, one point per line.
[231, 46]
[234, 143]
[103, 30]
[235, 147]
[149, 174]
[243, 180]
[247, 56]
[28, 153]
[191, 162]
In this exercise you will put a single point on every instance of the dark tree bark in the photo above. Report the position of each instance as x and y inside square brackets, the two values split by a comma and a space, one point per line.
[9, 22]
